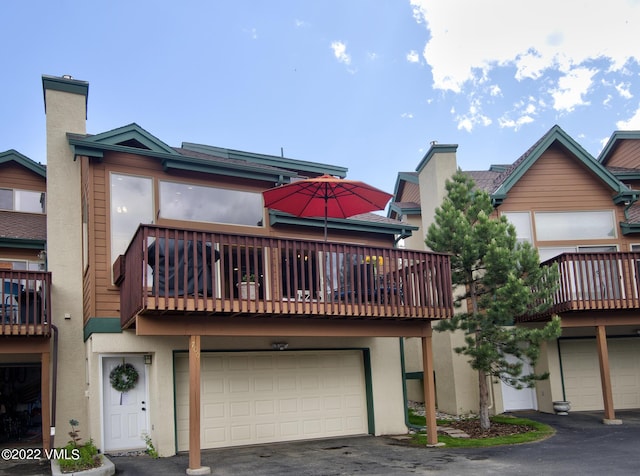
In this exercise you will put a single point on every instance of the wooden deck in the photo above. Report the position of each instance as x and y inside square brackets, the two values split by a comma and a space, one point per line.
[177, 272]
[25, 308]
[594, 282]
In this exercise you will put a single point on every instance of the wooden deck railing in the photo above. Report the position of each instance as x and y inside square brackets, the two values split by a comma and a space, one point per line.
[178, 271]
[25, 309]
[594, 281]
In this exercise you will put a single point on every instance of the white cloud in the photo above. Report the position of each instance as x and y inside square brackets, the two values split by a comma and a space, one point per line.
[372, 56]
[340, 52]
[571, 89]
[533, 37]
[300, 23]
[413, 57]
[524, 112]
[623, 90]
[407, 115]
[473, 117]
[546, 48]
[631, 124]
[515, 124]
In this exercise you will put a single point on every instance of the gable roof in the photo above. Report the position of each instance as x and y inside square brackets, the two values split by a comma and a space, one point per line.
[507, 179]
[403, 207]
[123, 139]
[12, 155]
[614, 142]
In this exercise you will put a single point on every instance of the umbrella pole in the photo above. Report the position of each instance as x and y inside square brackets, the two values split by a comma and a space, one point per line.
[326, 211]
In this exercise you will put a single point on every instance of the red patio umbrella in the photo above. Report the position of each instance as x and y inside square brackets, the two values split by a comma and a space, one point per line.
[326, 196]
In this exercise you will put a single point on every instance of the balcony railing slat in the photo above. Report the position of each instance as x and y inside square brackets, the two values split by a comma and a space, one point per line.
[181, 272]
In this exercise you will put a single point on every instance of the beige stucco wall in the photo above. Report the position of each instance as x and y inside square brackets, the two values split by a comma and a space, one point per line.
[385, 375]
[416, 240]
[66, 112]
[432, 178]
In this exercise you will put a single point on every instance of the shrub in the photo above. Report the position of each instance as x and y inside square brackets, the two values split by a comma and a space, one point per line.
[78, 457]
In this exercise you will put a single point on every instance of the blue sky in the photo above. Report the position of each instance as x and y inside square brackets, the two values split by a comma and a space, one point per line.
[359, 83]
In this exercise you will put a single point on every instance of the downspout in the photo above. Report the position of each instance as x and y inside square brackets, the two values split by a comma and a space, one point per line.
[564, 395]
[54, 384]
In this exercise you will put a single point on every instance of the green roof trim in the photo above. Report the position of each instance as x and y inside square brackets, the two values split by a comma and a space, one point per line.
[192, 164]
[627, 175]
[120, 140]
[436, 148]
[404, 177]
[131, 133]
[102, 325]
[271, 160]
[395, 207]
[12, 155]
[65, 84]
[556, 134]
[629, 228]
[626, 197]
[23, 243]
[613, 141]
[403, 229]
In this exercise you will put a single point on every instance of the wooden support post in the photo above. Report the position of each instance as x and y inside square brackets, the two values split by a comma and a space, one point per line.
[195, 463]
[45, 399]
[429, 387]
[605, 375]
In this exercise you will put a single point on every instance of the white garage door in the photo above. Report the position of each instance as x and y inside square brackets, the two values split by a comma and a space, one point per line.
[582, 373]
[262, 397]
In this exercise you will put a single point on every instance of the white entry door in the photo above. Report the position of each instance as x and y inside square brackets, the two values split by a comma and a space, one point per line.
[124, 414]
[523, 399]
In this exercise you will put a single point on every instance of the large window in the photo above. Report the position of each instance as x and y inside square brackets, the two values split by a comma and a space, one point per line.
[22, 200]
[179, 201]
[131, 204]
[522, 223]
[558, 226]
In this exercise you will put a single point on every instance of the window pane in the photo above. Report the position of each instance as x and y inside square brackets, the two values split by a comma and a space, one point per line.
[180, 201]
[522, 222]
[27, 201]
[552, 226]
[6, 199]
[131, 204]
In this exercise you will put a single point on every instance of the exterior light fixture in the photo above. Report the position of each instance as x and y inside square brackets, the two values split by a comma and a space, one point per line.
[147, 359]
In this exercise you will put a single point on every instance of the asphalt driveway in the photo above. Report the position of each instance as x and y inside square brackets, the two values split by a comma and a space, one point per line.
[582, 445]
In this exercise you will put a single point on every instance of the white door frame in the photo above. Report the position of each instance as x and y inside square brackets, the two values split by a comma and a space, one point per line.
[101, 358]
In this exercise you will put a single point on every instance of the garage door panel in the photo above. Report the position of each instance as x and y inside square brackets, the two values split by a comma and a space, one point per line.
[581, 372]
[268, 397]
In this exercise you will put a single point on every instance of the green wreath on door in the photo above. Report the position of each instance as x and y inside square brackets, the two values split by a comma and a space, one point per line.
[123, 377]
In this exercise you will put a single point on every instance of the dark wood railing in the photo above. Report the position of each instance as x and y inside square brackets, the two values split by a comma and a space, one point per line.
[25, 308]
[178, 271]
[594, 281]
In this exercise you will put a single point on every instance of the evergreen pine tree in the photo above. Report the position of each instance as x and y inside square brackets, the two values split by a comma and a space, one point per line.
[499, 279]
